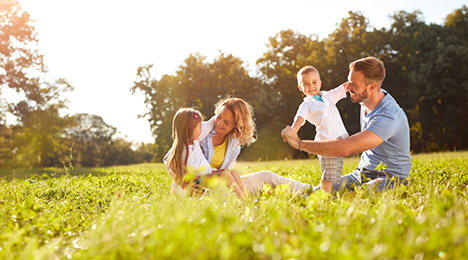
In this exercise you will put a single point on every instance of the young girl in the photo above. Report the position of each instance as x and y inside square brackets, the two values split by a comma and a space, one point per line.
[186, 153]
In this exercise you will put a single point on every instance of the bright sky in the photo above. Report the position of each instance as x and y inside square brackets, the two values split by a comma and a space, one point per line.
[97, 45]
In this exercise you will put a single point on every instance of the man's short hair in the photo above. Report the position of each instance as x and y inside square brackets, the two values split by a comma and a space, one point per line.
[372, 68]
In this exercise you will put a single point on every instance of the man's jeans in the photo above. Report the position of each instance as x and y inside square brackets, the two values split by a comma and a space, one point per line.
[379, 180]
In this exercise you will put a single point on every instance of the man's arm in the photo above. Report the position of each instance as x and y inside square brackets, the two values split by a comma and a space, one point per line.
[354, 144]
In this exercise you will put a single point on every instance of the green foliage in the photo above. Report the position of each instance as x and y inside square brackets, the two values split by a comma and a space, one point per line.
[426, 73]
[41, 137]
[354, 38]
[128, 213]
[425, 65]
[45, 138]
[36, 140]
[41, 140]
[92, 139]
[430, 59]
[22, 65]
[197, 84]
[381, 167]
[287, 52]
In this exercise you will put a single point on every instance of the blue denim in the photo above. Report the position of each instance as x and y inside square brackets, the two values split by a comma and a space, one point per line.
[354, 179]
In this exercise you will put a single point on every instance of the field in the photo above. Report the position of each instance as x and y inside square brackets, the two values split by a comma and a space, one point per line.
[126, 212]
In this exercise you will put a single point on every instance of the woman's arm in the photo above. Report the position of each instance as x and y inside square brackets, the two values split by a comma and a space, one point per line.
[233, 156]
[206, 128]
[237, 178]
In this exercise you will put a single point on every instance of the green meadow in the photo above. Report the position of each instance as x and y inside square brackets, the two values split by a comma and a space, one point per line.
[127, 212]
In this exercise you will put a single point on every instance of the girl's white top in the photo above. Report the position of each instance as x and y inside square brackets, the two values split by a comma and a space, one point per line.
[196, 162]
[324, 115]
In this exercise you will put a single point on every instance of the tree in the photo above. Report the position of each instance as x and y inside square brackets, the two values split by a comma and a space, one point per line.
[287, 53]
[431, 60]
[144, 152]
[22, 70]
[6, 148]
[454, 64]
[276, 105]
[161, 104]
[92, 139]
[198, 84]
[22, 65]
[459, 20]
[41, 140]
[354, 38]
[119, 152]
[425, 64]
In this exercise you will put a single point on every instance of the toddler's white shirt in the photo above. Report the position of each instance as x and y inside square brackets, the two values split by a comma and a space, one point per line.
[324, 115]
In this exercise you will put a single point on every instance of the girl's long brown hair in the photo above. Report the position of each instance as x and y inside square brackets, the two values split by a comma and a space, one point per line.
[185, 120]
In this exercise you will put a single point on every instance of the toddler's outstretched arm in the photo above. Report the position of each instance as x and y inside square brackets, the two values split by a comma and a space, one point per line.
[298, 123]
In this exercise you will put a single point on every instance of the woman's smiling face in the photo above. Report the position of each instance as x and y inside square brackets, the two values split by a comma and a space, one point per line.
[225, 122]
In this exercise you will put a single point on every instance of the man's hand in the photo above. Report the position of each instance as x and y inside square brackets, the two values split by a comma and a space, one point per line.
[290, 135]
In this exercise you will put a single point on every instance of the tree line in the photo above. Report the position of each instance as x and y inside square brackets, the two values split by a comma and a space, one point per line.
[426, 73]
[40, 137]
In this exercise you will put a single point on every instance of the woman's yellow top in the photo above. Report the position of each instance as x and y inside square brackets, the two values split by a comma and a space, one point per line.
[218, 156]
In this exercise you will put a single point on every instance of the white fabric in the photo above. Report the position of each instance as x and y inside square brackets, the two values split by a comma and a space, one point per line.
[254, 182]
[232, 151]
[324, 115]
[196, 162]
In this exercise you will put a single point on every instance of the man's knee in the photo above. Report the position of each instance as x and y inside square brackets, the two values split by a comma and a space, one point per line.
[348, 181]
[389, 183]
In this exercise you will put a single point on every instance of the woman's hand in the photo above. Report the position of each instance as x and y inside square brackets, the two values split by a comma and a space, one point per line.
[196, 190]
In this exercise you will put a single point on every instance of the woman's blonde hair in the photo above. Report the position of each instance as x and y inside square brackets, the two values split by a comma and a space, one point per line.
[183, 124]
[243, 114]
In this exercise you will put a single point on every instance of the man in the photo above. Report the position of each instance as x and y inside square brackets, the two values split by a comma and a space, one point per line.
[384, 136]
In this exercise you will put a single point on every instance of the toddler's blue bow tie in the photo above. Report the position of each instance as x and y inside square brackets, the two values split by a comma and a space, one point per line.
[319, 98]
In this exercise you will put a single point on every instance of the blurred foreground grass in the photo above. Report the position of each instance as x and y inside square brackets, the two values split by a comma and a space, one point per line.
[126, 212]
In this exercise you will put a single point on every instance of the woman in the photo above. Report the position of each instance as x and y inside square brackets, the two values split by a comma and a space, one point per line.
[235, 128]
[186, 153]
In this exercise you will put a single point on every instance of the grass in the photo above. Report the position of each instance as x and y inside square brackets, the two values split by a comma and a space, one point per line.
[126, 212]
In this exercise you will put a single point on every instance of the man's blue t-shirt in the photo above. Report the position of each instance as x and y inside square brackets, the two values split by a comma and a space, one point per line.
[389, 122]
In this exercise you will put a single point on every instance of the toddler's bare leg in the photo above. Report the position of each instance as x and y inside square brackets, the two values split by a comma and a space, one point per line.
[327, 186]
